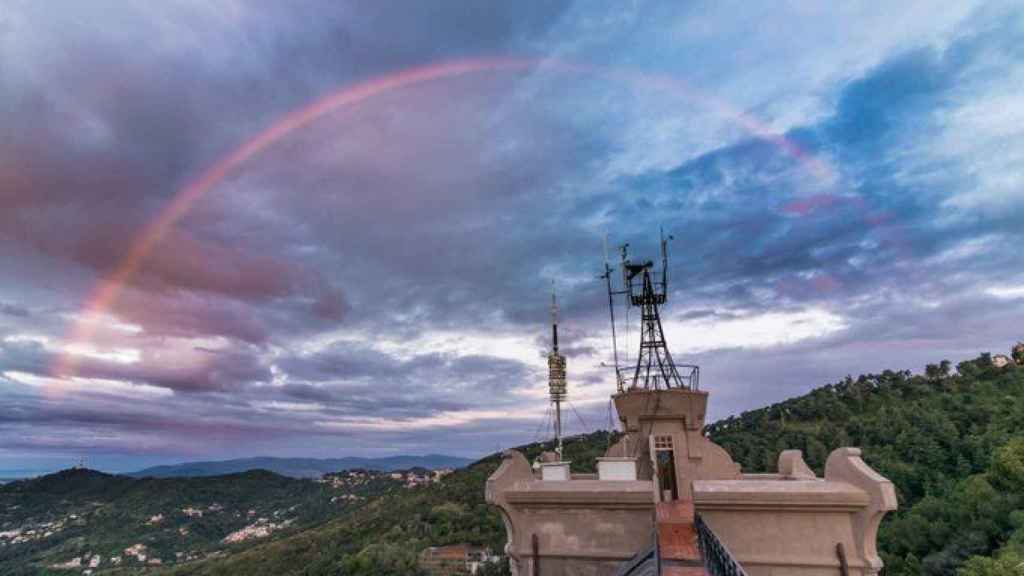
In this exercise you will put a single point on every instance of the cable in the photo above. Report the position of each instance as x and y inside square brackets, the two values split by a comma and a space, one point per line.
[611, 426]
[629, 343]
[580, 418]
[542, 426]
[549, 430]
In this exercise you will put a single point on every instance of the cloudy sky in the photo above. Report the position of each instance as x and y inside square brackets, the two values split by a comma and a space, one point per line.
[326, 228]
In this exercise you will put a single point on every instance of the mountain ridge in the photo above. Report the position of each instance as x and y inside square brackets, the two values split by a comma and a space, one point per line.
[300, 467]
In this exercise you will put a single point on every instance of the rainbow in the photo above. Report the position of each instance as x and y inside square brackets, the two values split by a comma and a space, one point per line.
[108, 288]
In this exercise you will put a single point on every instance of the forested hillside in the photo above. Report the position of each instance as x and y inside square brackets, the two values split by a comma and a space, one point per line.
[951, 441]
[81, 519]
[384, 538]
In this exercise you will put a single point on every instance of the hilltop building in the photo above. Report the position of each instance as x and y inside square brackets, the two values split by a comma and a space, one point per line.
[667, 500]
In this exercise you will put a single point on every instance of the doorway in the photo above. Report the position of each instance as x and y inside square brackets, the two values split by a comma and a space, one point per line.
[665, 460]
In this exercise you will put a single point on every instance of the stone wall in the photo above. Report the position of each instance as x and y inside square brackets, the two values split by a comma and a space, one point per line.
[795, 523]
[584, 527]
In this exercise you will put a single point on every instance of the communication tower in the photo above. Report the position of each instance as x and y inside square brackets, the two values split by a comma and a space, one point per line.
[655, 369]
[556, 374]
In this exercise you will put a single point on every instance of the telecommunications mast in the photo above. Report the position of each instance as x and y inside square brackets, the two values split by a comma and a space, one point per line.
[556, 374]
[620, 382]
[655, 369]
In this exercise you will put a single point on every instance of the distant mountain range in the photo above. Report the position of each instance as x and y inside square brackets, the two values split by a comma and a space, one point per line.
[301, 467]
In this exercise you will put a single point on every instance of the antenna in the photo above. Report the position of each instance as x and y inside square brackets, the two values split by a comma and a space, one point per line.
[554, 318]
[664, 261]
[624, 258]
[607, 276]
[556, 373]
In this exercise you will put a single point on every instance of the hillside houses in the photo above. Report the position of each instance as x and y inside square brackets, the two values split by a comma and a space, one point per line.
[353, 479]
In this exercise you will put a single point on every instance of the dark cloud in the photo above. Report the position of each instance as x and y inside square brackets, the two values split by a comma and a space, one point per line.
[352, 378]
[14, 310]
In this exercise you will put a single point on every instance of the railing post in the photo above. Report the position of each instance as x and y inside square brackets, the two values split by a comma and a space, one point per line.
[657, 551]
[535, 544]
[844, 568]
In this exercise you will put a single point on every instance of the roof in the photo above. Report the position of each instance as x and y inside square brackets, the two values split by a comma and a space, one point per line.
[451, 552]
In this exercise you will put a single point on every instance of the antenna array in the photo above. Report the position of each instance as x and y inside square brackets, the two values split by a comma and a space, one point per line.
[655, 368]
[556, 374]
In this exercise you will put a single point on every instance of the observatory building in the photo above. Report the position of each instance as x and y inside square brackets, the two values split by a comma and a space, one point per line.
[665, 499]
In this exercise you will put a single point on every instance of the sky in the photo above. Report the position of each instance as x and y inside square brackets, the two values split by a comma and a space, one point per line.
[199, 261]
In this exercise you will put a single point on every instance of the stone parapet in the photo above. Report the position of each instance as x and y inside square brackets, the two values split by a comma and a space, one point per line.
[795, 524]
[580, 526]
[772, 494]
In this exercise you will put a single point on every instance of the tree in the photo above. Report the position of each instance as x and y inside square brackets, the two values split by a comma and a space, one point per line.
[1008, 564]
[382, 560]
[1008, 466]
[499, 568]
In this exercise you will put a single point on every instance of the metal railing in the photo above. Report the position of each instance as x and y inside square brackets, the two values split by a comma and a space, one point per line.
[689, 375]
[717, 559]
[644, 563]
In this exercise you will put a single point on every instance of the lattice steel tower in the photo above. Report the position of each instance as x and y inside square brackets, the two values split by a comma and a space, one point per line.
[655, 369]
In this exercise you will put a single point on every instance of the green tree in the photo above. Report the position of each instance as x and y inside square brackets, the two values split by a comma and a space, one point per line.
[1008, 466]
[1018, 353]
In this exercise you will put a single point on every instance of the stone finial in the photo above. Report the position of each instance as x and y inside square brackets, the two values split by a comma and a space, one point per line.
[514, 468]
[620, 449]
[792, 466]
[548, 456]
[846, 465]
